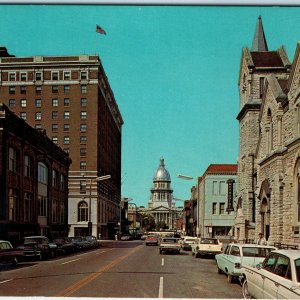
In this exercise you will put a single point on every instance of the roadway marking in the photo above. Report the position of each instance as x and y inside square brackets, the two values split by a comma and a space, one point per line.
[86, 280]
[103, 251]
[161, 288]
[70, 261]
[1, 282]
[162, 261]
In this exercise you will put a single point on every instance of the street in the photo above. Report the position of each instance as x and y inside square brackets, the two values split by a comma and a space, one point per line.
[119, 269]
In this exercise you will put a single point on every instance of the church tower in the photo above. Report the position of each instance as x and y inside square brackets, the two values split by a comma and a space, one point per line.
[256, 65]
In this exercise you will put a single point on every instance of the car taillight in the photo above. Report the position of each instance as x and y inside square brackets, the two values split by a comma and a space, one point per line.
[237, 265]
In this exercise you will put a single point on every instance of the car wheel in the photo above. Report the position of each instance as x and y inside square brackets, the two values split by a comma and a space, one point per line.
[245, 291]
[15, 261]
[230, 278]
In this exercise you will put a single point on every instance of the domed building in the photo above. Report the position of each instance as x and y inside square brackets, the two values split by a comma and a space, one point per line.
[161, 204]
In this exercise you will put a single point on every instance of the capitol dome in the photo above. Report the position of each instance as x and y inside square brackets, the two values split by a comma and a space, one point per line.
[162, 173]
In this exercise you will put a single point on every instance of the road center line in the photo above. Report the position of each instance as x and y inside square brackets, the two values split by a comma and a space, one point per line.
[67, 262]
[1, 282]
[161, 288]
[162, 261]
[84, 281]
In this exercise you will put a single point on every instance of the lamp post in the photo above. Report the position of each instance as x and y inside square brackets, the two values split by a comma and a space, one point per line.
[100, 178]
[134, 217]
[123, 200]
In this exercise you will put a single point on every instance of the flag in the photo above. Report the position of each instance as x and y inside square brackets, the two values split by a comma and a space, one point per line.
[100, 30]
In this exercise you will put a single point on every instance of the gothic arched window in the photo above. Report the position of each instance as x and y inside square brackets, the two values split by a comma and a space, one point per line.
[83, 211]
[269, 131]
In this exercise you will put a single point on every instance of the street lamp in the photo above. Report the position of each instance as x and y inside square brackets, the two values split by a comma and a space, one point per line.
[100, 178]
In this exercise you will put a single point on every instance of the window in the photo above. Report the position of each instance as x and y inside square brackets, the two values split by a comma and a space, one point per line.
[54, 210]
[83, 115]
[83, 127]
[235, 251]
[66, 102]
[12, 76]
[38, 103]
[42, 206]
[83, 75]
[83, 139]
[12, 90]
[66, 89]
[28, 166]
[223, 188]
[82, 186]
[83, 102]
[54, 127]
[66, 115]
[54, 115]
[23, 89]
[269, 263]
[12, 103]
[23, 115]
[38, 89]
[54, 75]
[13, 199]
[66, 140]
[23, 103]
[55, 178]
[214, 208]
[55, 102]
[38, 115]
[82, 211]
[38, 126]
[42, 173]
[67, 75]
[55, 140]
[82, 165]
[38, 76]
[222, 208]
[27, 206]
[83, 89]
[62, 182]
[23, 76]
[215, 188]
[54, 88]
[13, 157]
[261, 86]
[82, 151]
[67, 150]
[66, 127]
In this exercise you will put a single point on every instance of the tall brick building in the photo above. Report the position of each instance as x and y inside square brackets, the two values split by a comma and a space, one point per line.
[269, 158]
[70, 97]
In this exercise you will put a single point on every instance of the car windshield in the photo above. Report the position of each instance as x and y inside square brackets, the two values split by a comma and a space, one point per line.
[297, 267]
[256, 251]
[33, 240]
[5, 246]
[209, 241]
[170, 240]
[190, 240]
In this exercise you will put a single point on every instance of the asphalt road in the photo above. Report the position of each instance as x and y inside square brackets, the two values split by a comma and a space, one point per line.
[120, 269]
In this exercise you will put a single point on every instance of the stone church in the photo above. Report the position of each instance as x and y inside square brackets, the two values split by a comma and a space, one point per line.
[268, 198]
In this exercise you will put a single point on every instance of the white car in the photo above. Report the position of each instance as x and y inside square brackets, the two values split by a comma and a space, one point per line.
[187, 241]
[236, 256]
[278, 277]
[207, 246]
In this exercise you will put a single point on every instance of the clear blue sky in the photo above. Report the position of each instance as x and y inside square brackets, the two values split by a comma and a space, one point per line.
[173, 71]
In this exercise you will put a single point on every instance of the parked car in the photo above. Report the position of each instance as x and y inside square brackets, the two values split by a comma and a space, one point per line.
[126, 237]
[187, 241]
[80, 243]
[39, 247]
[144, 236]
[207, 246]
[236, 256]
[8, 254]
[169, 244]
[278, 277]
[93, 241]
[152, 240]
[64, 245]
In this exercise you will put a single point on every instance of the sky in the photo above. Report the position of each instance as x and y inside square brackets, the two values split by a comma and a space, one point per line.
[173, 71]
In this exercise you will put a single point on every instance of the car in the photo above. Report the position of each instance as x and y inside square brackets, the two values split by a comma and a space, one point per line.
[39, 247]
[169, 244]
[277, 277]
[151, 240]
[187, 241]
[64, 245]
[144, 236]
[126, 237]
[236, 256]
[207, 246]
[93, 241]
[8, 254]
[80, 243]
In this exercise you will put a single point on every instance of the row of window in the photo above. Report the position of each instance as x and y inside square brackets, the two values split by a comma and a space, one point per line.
[38, 102]
[82, 127]
[55, 88]
[221, 208]
[55, 75]
[54, 115]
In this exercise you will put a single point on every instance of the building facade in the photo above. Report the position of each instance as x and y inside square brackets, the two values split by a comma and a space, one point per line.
[269, 189]
[216, 190]
[33, 181]
[70, 97]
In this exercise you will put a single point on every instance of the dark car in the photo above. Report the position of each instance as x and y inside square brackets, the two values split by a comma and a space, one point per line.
[80, 242]
[64, 245]
[93, 241]
[8, 254]
[39, 247]
[126, 237]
